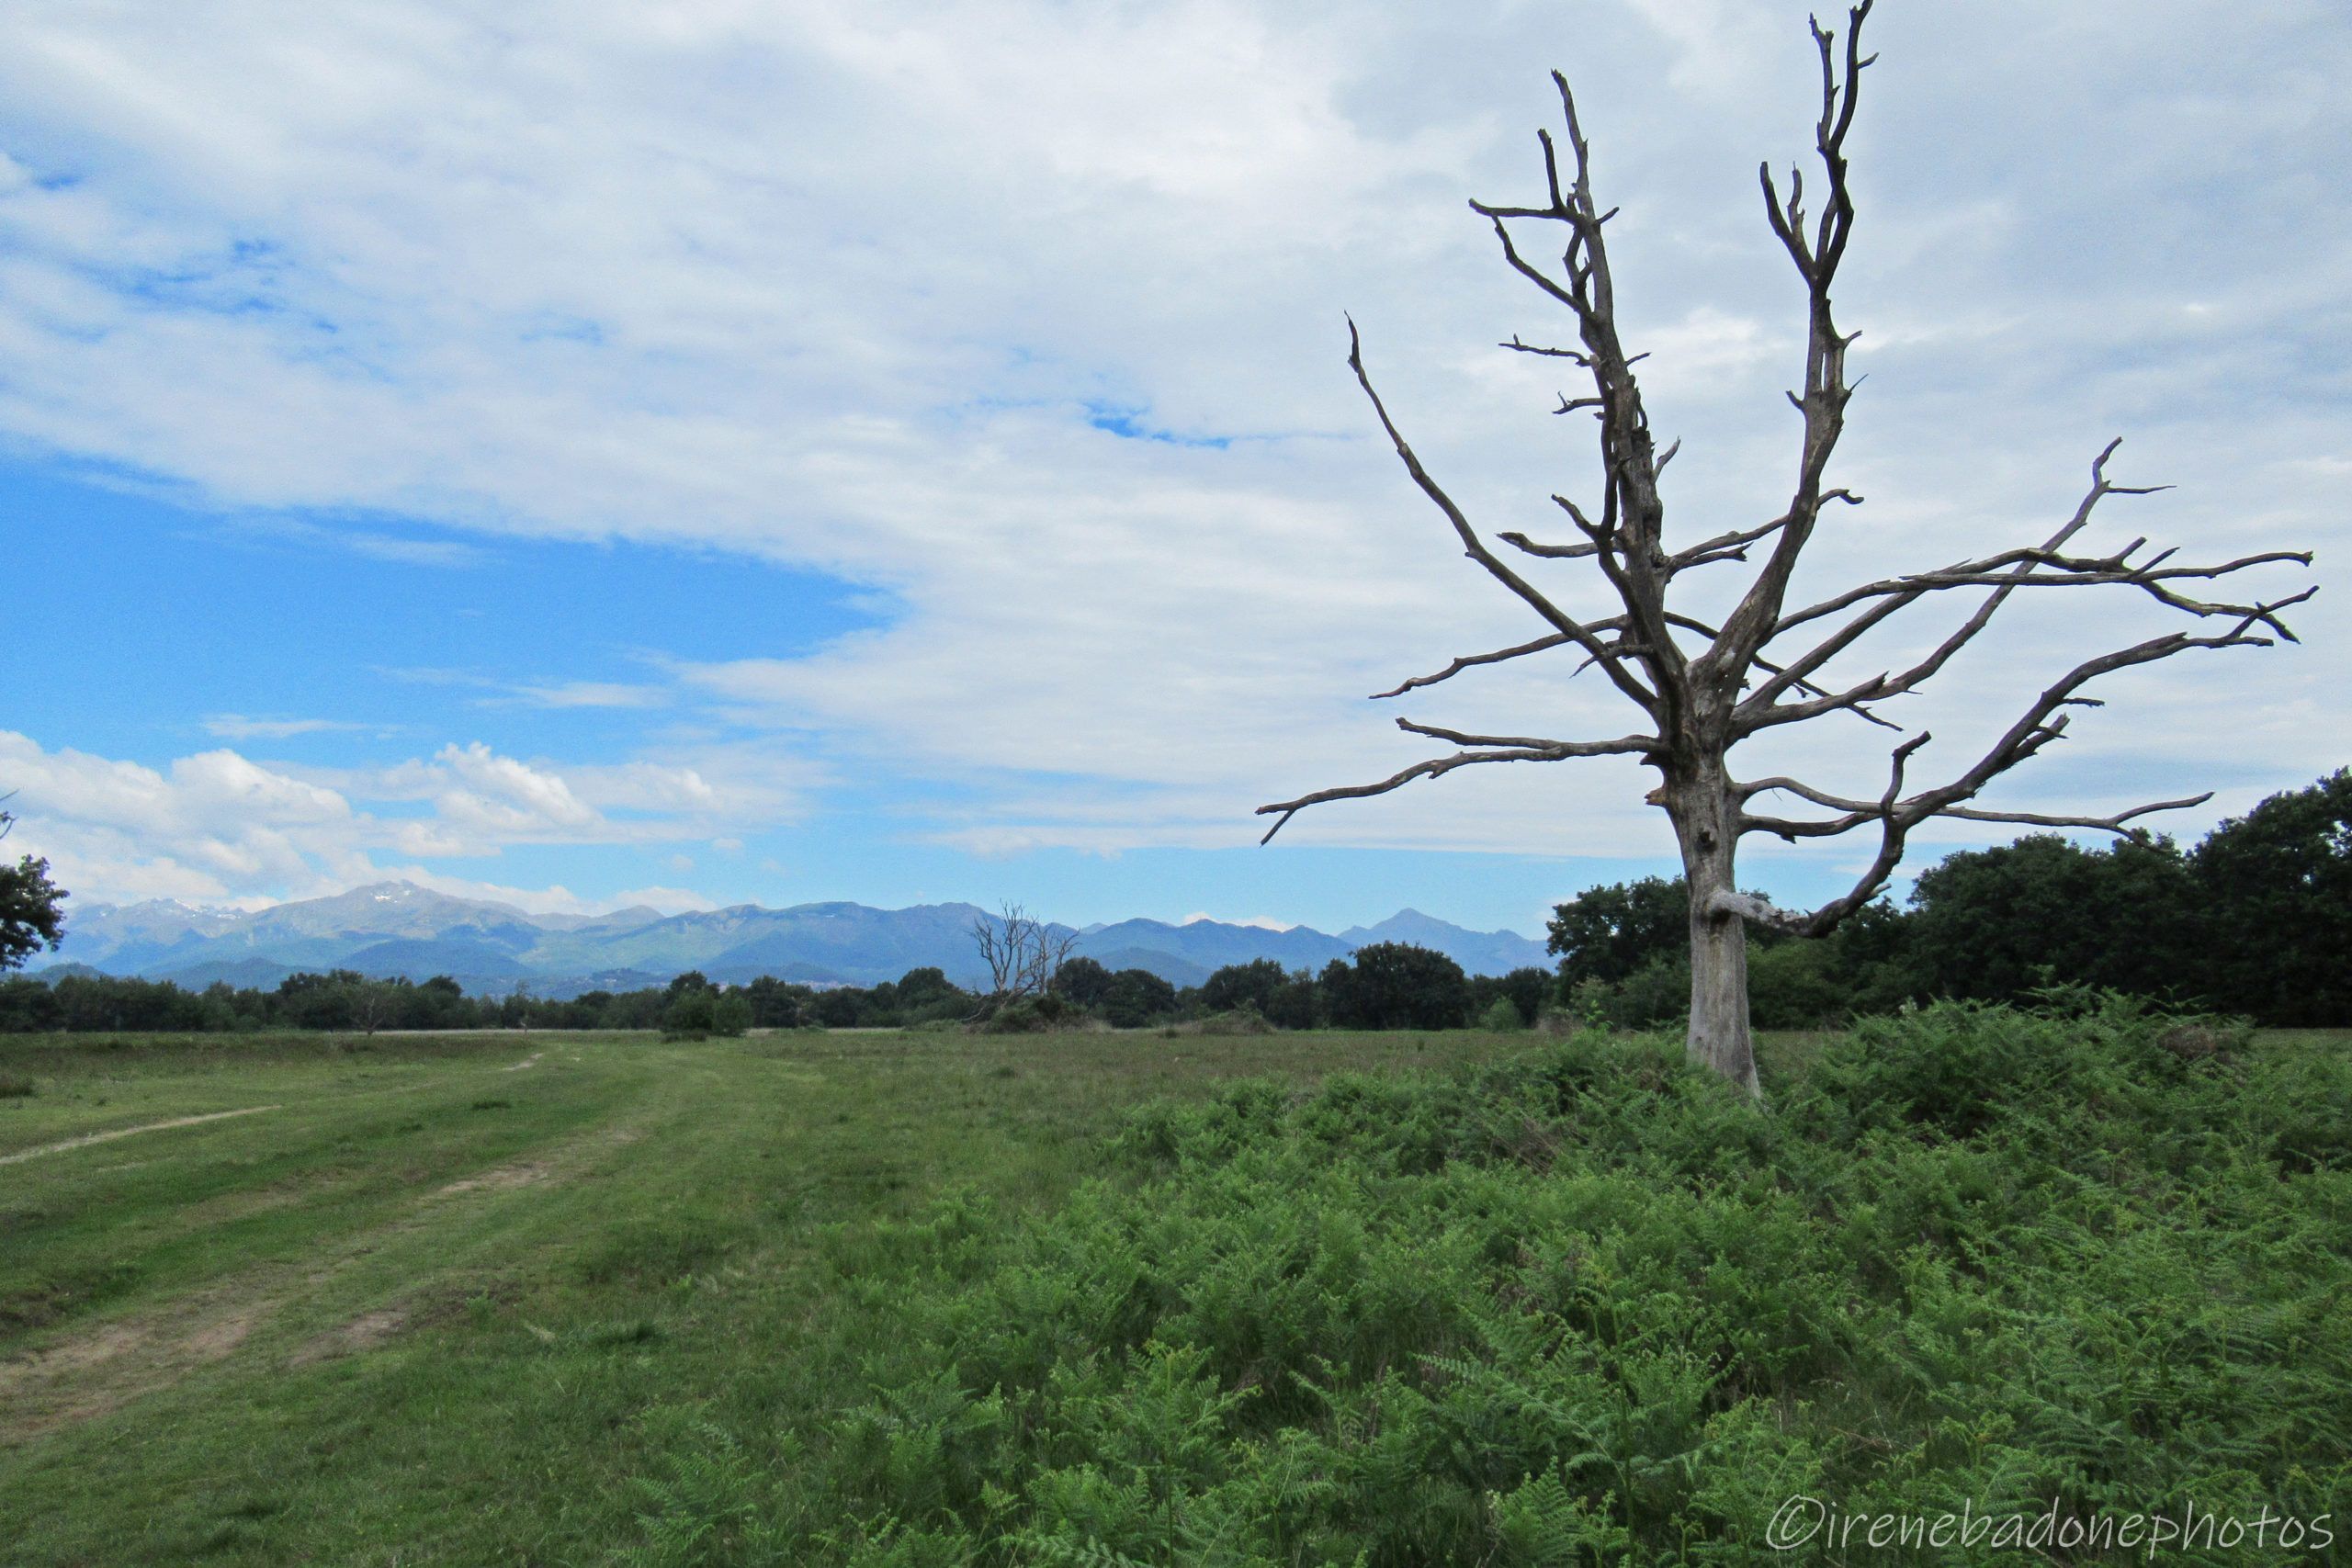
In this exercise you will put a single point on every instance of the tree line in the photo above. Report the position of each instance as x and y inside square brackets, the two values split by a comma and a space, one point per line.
[1384, 986]
[2255, 920]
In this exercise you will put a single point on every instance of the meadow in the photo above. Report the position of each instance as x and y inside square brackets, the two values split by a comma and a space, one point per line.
[447, 1296]
[1141, 1298]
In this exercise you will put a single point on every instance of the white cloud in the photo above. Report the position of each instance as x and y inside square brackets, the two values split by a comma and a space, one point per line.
[540, 693]
[592, 694]
[503, 793]
[239, 726]
[1264, 922]
[843, 287]
[219, 827]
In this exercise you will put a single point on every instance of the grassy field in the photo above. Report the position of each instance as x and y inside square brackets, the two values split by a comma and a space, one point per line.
[859, 1297]
[441, 1299]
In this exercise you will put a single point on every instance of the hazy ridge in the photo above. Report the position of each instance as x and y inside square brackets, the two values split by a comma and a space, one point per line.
[398, 929]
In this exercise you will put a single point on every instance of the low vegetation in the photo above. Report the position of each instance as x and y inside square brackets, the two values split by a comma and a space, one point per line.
[1586, 1304]
[296, 1297]
[1245, 1299]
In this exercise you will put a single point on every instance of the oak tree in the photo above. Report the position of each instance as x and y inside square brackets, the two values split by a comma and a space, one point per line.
[32, 914]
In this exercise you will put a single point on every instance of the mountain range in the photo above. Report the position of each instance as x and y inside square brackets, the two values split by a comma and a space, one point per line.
[397, 929]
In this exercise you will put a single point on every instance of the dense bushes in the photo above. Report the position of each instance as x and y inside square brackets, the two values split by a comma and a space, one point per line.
[2275, 888]
[699, 1010]
[1591, 1306]
[1383, 987]
[342, 1000]
[1393, 985]
[2255, 920]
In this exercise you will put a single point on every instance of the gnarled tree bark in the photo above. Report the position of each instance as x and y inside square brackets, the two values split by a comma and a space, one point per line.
[1703, 689]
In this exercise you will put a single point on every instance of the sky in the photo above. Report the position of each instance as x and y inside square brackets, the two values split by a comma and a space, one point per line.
[597, 454]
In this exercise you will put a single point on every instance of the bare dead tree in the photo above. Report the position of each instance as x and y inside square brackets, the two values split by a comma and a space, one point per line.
[1703, 688]
[371, 1005]
[1021, 953]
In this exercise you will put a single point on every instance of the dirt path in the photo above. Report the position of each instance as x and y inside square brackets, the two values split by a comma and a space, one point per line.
[105, 1366]
[101, 1371]
[89, 1138]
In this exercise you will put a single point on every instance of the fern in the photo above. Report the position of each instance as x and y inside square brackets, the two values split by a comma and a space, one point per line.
[1974, 1257]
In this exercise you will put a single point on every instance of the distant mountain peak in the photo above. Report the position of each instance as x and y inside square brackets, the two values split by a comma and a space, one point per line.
[161, 907]
[1256, 922]
[400, 927]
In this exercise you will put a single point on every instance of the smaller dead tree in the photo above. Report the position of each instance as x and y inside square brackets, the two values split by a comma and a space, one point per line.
[1021, 955]
[372, 1005]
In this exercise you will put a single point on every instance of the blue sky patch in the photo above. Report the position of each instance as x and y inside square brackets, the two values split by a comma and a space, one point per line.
[1129, 424]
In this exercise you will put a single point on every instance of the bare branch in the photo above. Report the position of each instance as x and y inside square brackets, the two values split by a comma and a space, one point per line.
[1520, 742]
[1894, 827]
[1686, 624]
[1020, 953]
[1856, 812]
[1438, 767]
[1733, 545]
[1459, 665]
[1887, 684]
[1517, 347]
[2100, 488]
[1477, 550]
[1621, 648]
[1823, 403]
[2039, 724]
[2116, 824]
[1550, 552]
[1625, 541]
[2058, 572]
[2003, 573]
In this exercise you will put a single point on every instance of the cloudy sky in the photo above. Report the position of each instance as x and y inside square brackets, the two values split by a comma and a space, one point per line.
[746, 451]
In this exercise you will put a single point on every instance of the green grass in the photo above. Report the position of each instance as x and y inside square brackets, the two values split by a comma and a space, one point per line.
[930, 1298]
[429, 1310]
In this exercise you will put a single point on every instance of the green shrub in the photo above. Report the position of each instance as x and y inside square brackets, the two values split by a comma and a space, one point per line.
[1795, 985]
[1654, 996]
[1589, 1305]
[692, 1014]
[698, 1012]
[1503, 1017]
[1034, 1015]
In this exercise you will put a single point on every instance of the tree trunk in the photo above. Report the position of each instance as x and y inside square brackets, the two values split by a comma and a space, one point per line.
[1702, 810]
[1719, 1037]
